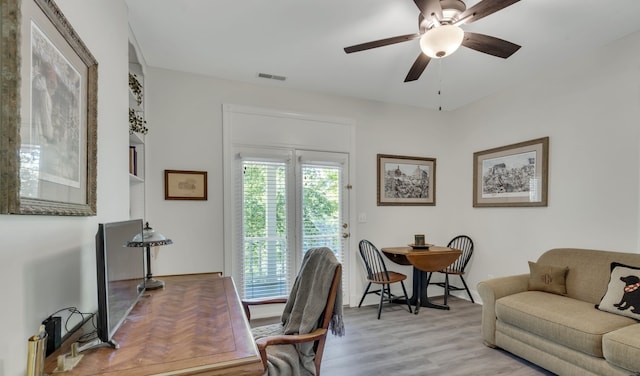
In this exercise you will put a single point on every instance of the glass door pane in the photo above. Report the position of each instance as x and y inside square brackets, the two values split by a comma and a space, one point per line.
[321, 214]
[323, 194]
[265, 259]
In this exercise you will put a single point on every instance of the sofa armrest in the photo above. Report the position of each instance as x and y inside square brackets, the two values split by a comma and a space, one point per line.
[492, 290]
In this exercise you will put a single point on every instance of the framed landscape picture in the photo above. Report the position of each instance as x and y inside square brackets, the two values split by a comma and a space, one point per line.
[48, 118]
[512, 175]
[406, 180]
[185, 185]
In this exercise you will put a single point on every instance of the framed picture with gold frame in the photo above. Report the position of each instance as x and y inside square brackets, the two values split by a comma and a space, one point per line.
[48, 114]
[185, 185]
[404, 180]
[512, 175]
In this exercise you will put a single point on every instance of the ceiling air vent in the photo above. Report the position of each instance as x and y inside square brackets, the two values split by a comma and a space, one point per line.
[272, 76]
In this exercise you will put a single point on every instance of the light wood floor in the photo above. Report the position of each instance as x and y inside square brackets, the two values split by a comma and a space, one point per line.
[434, 342]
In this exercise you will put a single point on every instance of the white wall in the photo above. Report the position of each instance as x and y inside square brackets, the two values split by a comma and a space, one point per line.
[48, 262]
[589, 107]
[185, 132]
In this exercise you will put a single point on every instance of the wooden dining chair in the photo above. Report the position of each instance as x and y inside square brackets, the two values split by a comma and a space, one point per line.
[316, 338]
[377, 273]
[465, 244]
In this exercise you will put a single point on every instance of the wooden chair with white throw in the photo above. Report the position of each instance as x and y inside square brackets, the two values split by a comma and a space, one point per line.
[295, 345]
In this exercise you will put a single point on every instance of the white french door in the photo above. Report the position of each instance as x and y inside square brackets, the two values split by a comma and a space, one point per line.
[323, 204]
[289, 201]
[286, 189]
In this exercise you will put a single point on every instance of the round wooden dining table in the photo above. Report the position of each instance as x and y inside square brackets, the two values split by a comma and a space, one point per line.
[424, 260]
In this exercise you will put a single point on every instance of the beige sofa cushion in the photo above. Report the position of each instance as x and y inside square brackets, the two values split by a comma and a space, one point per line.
[622, 347]
[566, 321]
[589, 270]
[548, 278]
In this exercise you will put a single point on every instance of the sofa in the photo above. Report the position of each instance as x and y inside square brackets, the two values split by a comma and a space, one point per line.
[579, 325]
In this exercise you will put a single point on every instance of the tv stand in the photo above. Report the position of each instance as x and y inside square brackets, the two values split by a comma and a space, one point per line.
[97, 343]
[194, 326]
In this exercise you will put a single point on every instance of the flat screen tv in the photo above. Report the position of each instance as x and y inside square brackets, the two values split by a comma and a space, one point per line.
[121, 276]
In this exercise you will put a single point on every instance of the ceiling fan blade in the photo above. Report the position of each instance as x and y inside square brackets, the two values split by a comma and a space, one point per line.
[380, 43]
[429, 8]
[418, 67]
[489, 45]
[483, 9]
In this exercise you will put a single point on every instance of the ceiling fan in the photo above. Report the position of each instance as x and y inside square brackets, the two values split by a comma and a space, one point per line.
[440, 33]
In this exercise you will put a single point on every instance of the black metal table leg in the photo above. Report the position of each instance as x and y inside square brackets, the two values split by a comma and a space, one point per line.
[419, 296]
[423, 299]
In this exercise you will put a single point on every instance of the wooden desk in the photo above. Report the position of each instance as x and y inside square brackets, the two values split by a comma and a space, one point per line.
[423, 261]
[194, 326]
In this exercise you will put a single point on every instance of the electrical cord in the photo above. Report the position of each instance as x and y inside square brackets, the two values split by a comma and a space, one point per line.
[84, 318]
[88, 337]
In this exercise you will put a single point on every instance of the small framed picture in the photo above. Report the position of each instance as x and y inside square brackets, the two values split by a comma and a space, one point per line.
[406, 180]
[512, 175]
[185, 185]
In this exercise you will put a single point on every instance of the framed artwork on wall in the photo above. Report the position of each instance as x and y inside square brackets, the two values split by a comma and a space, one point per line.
[512, 175]
[48, 115]
[406, 180]
[185, 185]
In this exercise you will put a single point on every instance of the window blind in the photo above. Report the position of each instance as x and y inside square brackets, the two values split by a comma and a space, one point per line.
[321, 195]
[264, 253]
[321, 207]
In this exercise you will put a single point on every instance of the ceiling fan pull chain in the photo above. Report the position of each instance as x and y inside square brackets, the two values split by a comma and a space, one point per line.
[440, 85]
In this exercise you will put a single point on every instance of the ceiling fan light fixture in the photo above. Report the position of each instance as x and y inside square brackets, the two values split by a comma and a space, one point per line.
[441, 41]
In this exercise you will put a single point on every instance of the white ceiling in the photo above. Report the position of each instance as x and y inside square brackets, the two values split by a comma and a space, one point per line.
[303, 40]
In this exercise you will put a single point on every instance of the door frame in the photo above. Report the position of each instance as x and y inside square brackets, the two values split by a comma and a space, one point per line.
[262, 127]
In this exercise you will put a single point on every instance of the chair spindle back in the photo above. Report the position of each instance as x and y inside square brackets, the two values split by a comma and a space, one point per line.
[465, 244]
[376, 268]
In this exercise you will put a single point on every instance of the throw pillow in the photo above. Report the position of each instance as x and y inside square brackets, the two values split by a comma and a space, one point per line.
[623, 292]
[548, 278]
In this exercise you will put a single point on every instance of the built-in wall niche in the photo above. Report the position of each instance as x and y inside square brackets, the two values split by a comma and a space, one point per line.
[137, 131]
